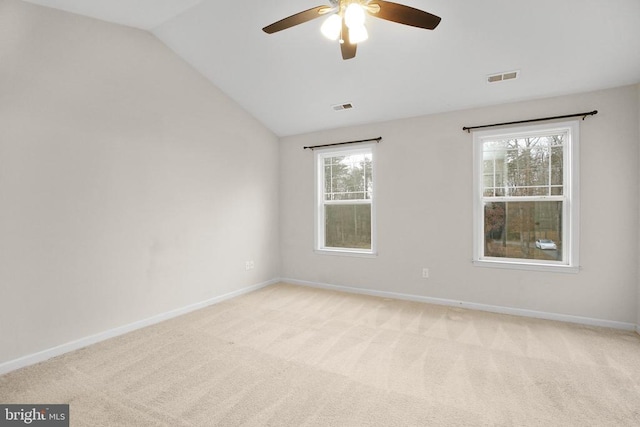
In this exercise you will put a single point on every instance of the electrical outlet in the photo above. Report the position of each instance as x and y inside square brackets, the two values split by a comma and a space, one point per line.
[249, 265]
[425, 273]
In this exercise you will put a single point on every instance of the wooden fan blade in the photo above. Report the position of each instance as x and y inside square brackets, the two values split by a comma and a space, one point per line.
[348, 50]
[298, 18]
[404, 14]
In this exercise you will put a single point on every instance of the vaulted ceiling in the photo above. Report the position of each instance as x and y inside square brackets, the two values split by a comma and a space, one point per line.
[290, 80]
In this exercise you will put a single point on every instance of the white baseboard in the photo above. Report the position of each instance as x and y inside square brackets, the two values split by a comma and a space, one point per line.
[41, 356]
[473, 306]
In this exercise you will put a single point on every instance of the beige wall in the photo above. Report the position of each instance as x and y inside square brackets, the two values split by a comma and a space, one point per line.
[424, 184]
[129, 185]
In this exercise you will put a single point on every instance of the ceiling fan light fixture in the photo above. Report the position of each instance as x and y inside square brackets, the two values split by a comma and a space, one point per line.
[354, 16]
[331, 27]
[345, 20]
[358, 34]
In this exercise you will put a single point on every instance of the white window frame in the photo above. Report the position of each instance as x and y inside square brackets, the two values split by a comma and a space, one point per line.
[320, 155]
[570, 199]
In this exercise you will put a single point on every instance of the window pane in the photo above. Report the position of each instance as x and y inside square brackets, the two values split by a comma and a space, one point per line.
[327, 179]
[556, 165]
[527, 230]
[348, 226]
[523, 166]
[488, 186]
[493, 168]
[348, 177]
[556, 190]
[488, 164]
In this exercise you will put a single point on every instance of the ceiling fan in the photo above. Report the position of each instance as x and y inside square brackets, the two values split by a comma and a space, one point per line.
[345, 20]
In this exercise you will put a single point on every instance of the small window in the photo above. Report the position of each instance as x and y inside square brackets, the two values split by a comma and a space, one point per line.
[526, 197]
[345, 200]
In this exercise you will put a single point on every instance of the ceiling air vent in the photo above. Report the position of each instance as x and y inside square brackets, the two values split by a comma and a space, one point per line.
[509, 75]
[340, 107]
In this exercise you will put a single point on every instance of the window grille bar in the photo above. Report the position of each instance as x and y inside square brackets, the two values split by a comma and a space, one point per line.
[378, 139]
[583, 115]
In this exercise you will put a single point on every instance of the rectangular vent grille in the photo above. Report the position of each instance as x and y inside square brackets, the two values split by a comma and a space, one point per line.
[340, 107]
[509, 75]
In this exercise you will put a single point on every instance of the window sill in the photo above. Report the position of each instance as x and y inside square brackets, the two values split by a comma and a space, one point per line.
[558, 268]
[346, 252]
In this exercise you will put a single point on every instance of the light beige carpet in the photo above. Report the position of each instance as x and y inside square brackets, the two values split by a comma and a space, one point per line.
[294, 356]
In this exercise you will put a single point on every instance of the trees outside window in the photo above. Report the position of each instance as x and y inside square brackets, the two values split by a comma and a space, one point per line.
[345, 199]
[525, 196]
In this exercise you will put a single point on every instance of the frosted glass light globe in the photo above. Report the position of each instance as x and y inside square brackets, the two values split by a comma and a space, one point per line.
[331, 27]
[354, 15]
[358, 34]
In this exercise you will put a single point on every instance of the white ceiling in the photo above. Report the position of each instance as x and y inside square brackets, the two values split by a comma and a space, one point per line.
[289, 80]
[144, 14]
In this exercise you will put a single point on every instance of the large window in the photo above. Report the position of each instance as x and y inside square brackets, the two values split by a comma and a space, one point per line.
[345, 214]
[526, 197]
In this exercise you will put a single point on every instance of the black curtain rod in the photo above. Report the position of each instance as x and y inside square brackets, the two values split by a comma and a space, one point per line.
[343, 143]
[583, 115]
